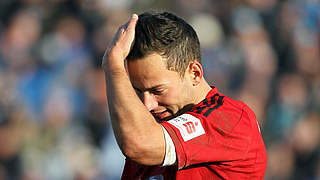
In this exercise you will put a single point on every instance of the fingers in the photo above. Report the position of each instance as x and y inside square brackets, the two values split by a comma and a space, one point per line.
[128, 30]
[123, 40]
[132, 22]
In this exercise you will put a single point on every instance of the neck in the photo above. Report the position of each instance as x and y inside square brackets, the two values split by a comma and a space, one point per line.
[202, 91]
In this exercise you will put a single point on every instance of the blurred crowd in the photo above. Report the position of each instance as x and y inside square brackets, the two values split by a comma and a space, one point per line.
[53, 115]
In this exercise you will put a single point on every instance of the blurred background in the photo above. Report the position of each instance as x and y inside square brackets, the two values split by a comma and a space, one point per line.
[53, 116]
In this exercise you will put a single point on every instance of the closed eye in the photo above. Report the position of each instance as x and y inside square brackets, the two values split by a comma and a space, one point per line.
[157, 91]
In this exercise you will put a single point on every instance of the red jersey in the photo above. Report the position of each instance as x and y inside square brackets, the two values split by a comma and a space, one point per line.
[219, 138]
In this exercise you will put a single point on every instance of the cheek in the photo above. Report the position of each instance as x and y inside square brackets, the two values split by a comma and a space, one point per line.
[172, 97]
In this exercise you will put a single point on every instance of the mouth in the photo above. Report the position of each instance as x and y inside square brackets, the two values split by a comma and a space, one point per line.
[161, 115]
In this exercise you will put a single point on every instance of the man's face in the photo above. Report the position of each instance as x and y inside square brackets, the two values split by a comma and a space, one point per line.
[162, 91]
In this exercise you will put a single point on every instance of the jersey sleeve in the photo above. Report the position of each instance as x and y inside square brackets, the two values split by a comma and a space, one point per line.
[224, 136]
[170, 156]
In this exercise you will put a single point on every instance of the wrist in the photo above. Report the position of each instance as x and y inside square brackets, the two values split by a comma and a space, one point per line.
[113, 63]
[114, 71]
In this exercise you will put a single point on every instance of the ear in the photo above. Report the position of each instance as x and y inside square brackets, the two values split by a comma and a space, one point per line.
[195, 72]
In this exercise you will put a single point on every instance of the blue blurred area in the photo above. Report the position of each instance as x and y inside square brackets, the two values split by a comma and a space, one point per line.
[53, 115]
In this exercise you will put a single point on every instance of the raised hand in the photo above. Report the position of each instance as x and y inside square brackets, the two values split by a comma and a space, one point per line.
[119, 48]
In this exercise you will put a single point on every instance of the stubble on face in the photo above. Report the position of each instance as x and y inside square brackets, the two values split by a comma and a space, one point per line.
[148, 73]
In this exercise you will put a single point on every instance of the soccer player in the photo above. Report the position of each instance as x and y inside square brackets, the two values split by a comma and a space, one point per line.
[168, 121]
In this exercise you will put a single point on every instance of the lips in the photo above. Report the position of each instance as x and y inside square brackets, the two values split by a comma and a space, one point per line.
[161, 115]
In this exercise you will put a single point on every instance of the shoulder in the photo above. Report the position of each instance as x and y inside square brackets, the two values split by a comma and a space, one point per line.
[217, 103]
[222, 112]
[208, 105]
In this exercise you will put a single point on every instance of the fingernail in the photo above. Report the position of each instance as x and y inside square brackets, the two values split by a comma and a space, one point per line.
[135, 16]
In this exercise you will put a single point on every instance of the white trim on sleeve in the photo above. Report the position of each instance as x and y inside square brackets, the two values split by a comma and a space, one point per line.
[170, 157]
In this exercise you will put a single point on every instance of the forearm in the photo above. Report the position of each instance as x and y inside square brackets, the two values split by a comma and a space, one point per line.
[138, 134]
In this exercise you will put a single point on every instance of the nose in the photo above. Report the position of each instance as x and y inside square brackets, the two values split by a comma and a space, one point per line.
[149, 101]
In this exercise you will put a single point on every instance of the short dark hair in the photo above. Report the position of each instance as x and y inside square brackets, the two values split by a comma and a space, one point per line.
[168, 35]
